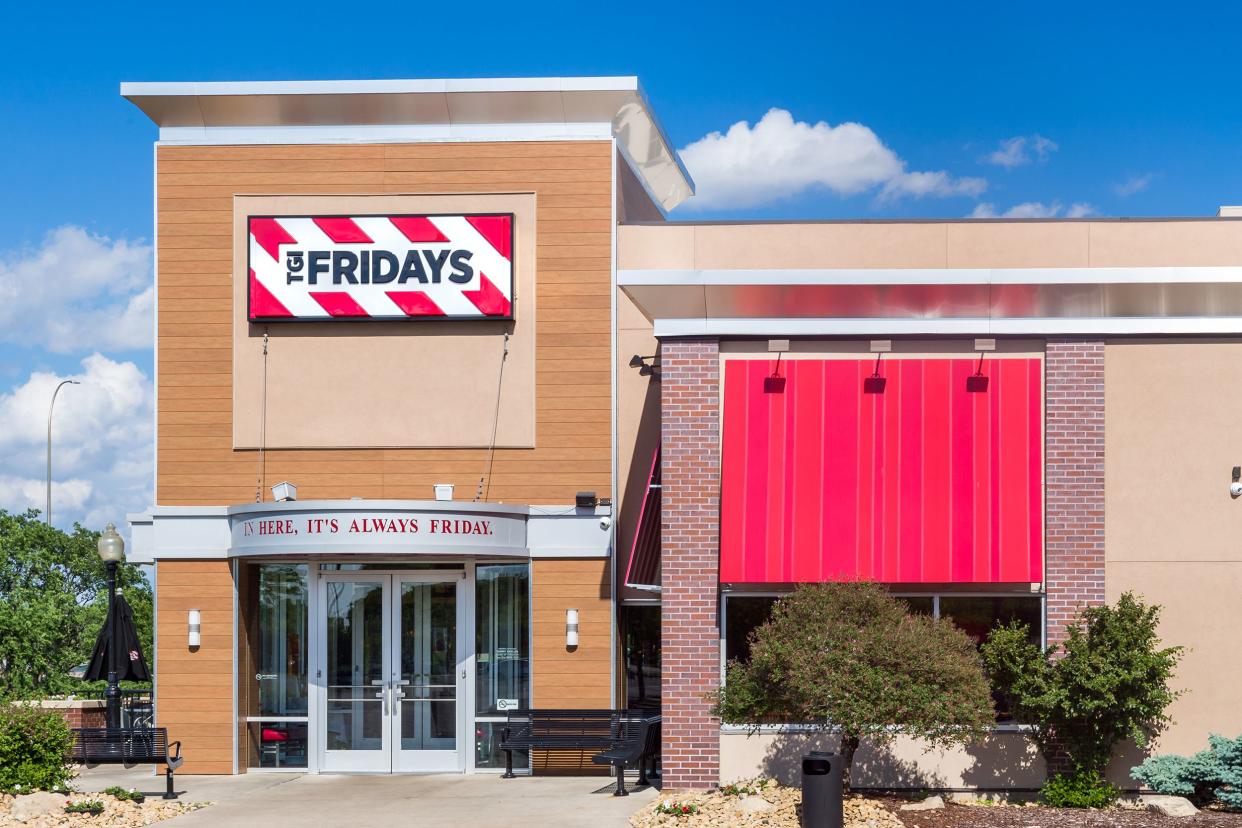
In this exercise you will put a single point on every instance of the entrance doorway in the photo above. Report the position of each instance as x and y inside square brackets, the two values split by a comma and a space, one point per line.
[395, 659]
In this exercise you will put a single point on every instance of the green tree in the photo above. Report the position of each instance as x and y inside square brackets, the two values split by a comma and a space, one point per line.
[53, 601]
[1108, 682]
[850, 657]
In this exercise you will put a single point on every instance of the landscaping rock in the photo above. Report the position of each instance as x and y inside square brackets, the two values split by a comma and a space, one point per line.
[752, 805]
[1173, 806]
[932, 803]
[776, 807]
[29, 806]
[44, 810]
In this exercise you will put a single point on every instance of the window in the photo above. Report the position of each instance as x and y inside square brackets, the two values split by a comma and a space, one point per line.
[641, 634]
[976, 615]
[277, 725]
[743, 613]
[502, 655]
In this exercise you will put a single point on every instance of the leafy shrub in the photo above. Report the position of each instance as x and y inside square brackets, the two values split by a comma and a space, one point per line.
[1108, 683]
[123, 794]
[89, 806]
[1214, 773]
[850, 656]
[33, 747]
[1081, 789]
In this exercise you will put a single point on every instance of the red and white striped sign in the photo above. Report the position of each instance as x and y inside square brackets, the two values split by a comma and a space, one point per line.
[381, 267]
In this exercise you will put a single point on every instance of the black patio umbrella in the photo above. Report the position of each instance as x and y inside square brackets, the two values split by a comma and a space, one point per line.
[127, 658]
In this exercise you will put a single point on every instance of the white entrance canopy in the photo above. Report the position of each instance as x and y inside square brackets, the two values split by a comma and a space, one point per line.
[347, 528]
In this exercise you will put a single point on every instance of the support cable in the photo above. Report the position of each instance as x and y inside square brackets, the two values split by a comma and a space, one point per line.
[485, 479]
[258, 485]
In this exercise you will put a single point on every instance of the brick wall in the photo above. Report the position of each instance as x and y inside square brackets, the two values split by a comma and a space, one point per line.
[689, 560]
[1074, 480]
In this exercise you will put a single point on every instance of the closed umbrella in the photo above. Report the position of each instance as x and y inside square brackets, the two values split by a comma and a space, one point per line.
[127, 659]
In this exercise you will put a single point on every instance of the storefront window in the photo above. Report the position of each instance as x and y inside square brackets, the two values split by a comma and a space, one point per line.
[277, 744]
[277, 694]
[743, 613]
[502, 656]
[976, 615]
[979, 616]
[641, 634]
[281, 658]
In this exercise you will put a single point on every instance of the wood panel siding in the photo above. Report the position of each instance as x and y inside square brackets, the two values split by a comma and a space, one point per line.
[194, 688]
[572, 182]
[577, 678]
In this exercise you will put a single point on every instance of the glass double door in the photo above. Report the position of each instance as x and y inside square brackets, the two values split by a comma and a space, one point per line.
[394, 672]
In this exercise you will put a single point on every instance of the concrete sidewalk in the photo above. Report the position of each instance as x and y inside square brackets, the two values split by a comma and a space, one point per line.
[483, 800]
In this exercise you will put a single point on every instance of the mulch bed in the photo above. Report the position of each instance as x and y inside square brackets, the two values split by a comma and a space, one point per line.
[1016, 816]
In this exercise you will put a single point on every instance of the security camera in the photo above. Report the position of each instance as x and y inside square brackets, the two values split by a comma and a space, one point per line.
[1235, 490]
[605, 522]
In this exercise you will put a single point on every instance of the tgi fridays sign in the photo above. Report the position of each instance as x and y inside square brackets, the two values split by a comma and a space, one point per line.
[348, 530]
[381, 267]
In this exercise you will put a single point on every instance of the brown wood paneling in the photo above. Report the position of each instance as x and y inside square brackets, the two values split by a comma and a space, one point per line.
[573, 186]
[194, 687]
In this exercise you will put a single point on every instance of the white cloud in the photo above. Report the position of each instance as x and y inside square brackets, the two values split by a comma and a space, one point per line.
[1034, 209]
[77, 292]
[102, 443]
[1020, 150]
[1134, 184]
[779, 158]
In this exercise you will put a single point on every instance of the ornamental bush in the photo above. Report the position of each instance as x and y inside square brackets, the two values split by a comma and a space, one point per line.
[34, 744]
[850, 657]
[1214, 773]
[1107, 683]
[1081, 789]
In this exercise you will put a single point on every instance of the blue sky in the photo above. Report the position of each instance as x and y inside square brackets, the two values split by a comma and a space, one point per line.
[1111, 109]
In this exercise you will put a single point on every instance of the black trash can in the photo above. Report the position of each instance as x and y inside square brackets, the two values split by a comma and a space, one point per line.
[821, 790]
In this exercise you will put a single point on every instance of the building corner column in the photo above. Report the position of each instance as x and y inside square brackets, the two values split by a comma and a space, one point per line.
[690, 561]
[1074, 481]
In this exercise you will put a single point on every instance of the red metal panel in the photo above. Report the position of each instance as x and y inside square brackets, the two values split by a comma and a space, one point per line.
[924, 473]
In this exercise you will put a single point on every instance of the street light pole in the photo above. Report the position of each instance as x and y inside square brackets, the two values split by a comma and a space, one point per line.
[112, 552]
[50, 409]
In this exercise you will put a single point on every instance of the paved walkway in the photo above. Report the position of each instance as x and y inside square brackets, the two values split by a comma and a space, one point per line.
[483, 800]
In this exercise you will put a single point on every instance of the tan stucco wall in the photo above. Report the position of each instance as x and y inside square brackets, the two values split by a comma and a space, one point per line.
[1173, 534]
[1004, 760]
[638, 428]
[932, 244]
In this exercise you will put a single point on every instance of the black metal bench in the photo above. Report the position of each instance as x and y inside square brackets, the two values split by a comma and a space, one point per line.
[636, 741]
[557, 730]
[127, 746]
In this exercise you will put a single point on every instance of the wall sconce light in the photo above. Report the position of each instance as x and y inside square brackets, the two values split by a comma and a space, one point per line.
[195, 637]
[571, 628]
[284, 491]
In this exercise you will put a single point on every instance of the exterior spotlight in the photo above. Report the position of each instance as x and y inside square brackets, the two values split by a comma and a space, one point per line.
[195, 624]
[283, 492]
[571, 628]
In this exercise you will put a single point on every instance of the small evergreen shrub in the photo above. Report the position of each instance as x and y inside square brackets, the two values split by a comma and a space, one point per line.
[1081, 789]
[1214, 773]
[33, 747]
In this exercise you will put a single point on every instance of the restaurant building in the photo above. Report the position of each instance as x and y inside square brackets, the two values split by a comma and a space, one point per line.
[548, 448]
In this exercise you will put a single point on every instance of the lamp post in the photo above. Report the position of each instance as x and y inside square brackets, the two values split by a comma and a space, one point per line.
[50, 409]
[112, 552]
